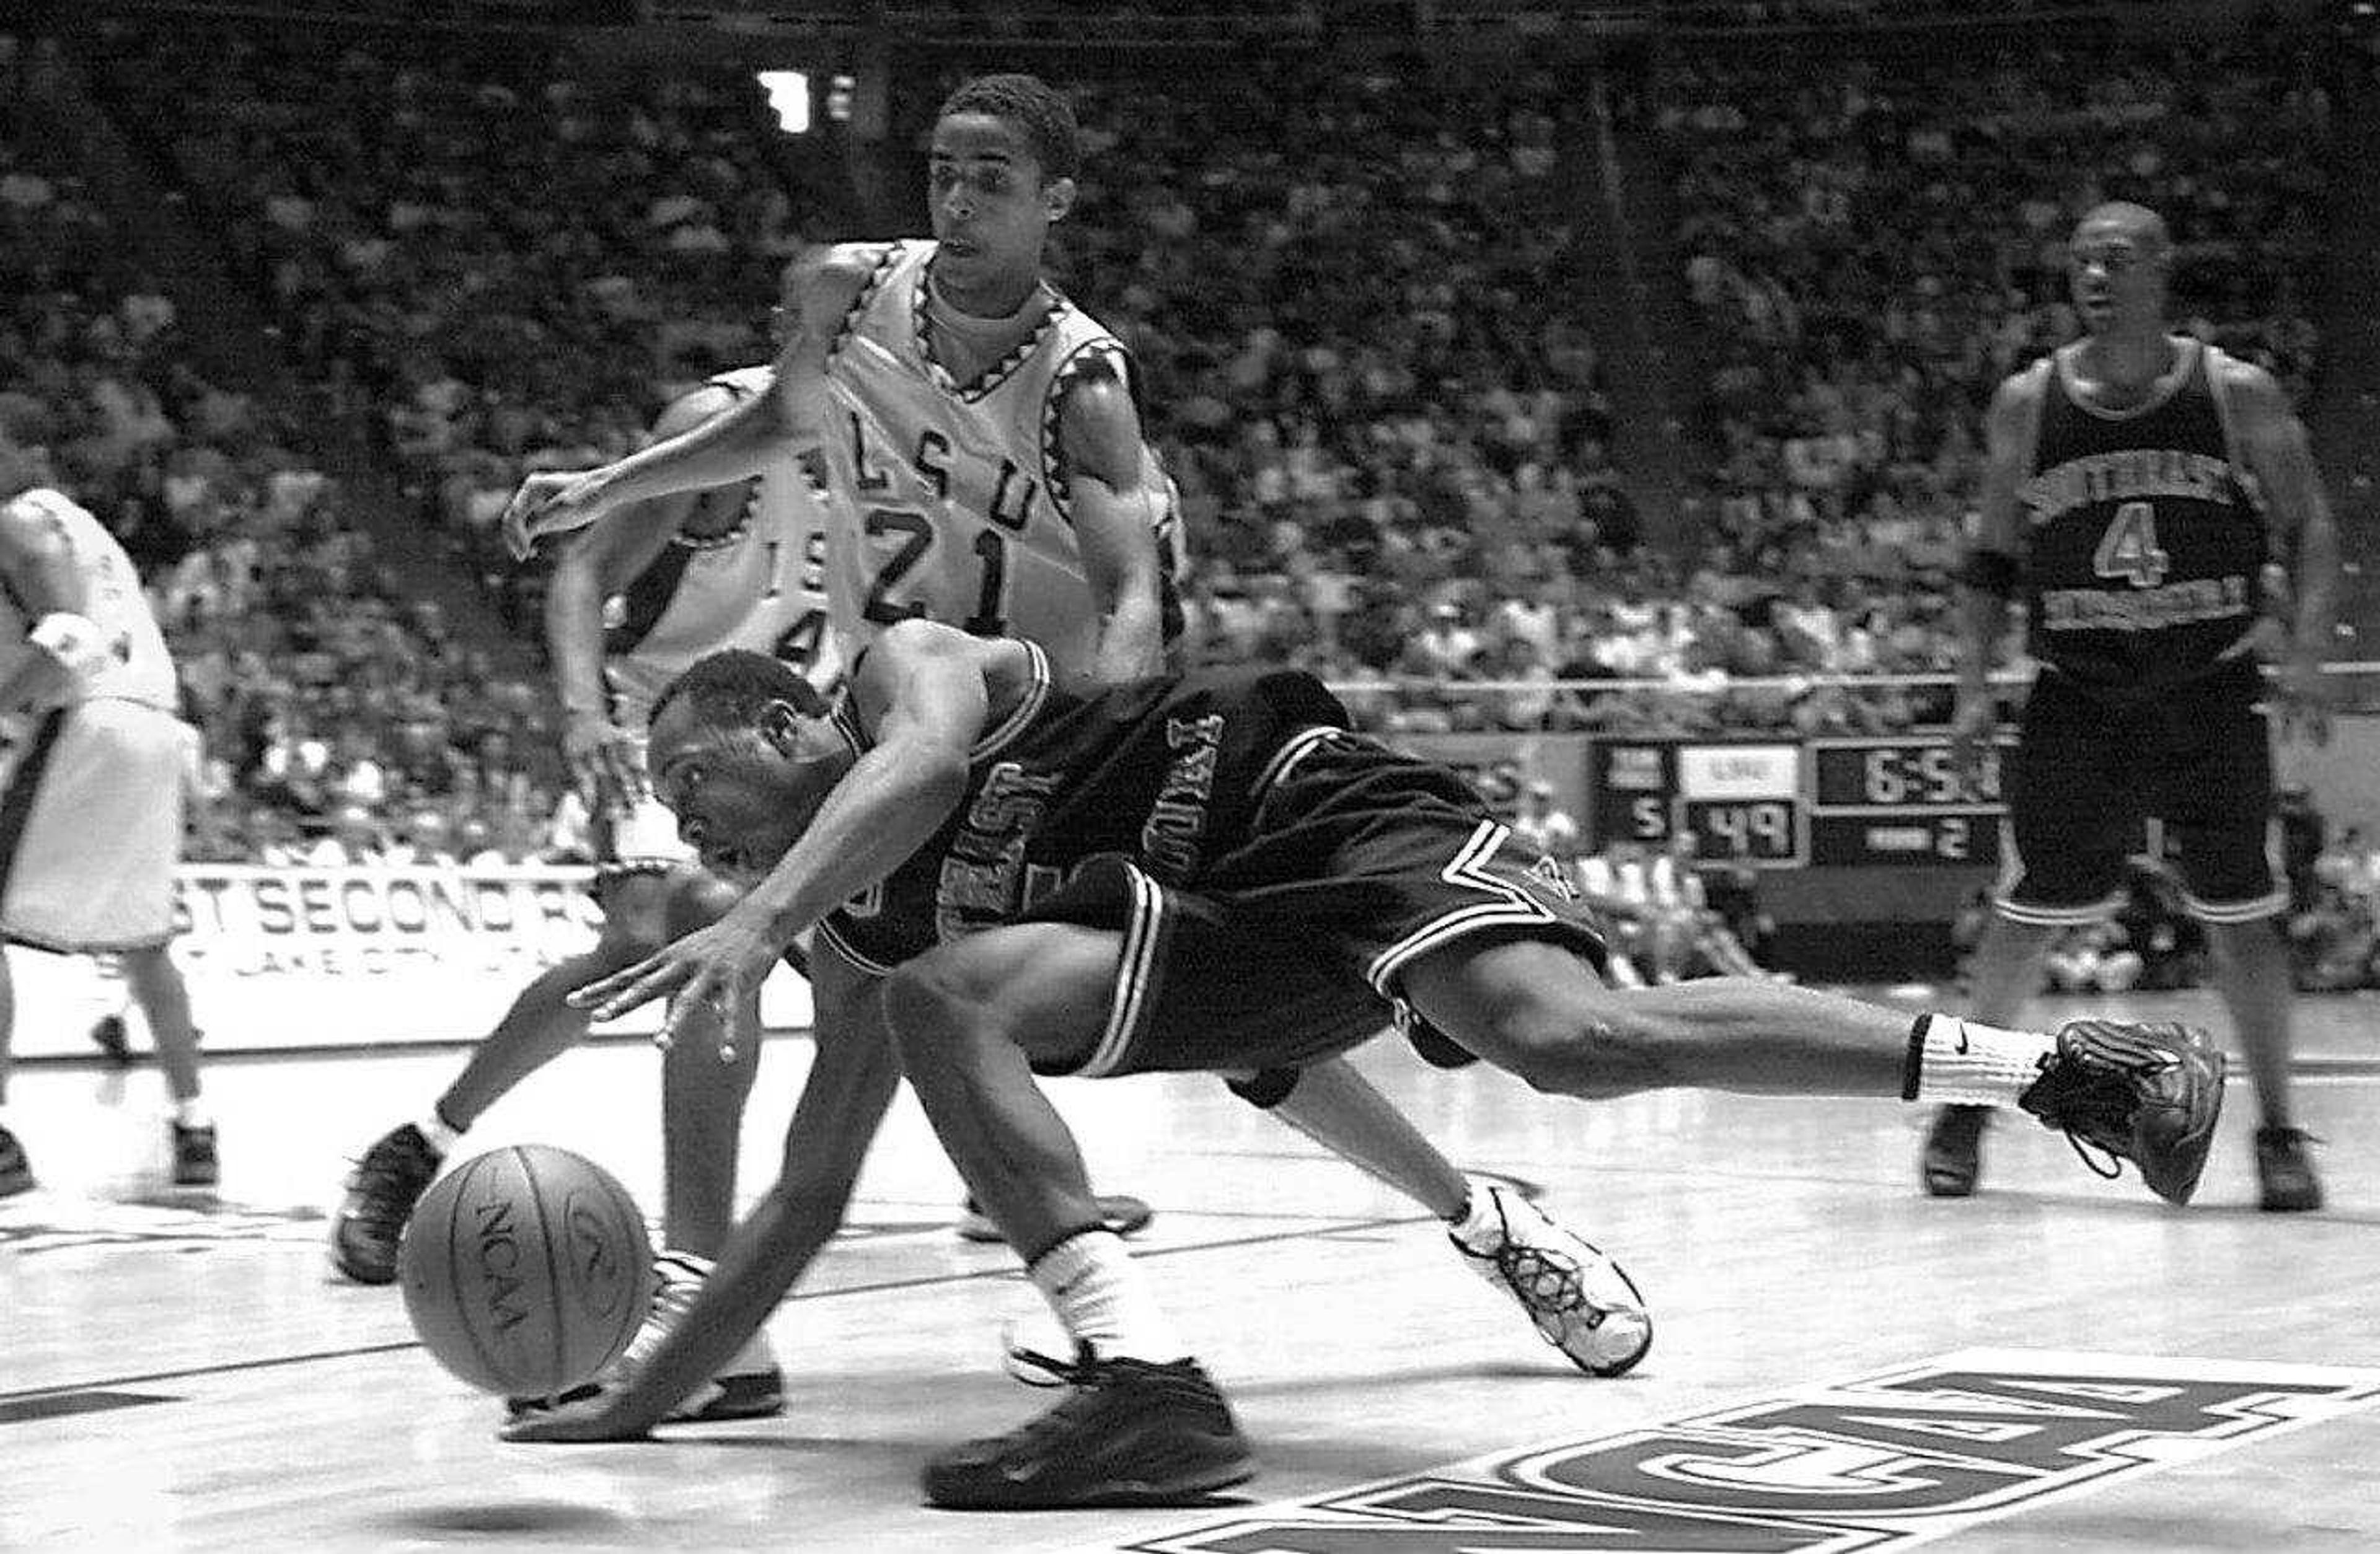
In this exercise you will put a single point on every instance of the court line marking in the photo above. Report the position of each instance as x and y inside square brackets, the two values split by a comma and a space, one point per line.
[1140, 1254]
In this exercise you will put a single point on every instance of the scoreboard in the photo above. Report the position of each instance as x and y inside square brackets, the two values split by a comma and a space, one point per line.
[1857, 802]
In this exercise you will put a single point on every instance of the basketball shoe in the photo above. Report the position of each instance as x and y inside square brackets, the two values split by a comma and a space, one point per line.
[1128, 1432]
[2147, 1094]
[382, 1192]
[1578, 1299]
[195, 1163]
[1953, 1156]
[2285, 1180]
[1124, 1214]
[15, 1171]
[751, 1386]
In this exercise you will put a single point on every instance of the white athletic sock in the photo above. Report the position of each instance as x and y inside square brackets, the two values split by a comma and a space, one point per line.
[1963, 1062]
[1472, 1227]
[192, 1113]
[442, 1137]
[1103, 1299]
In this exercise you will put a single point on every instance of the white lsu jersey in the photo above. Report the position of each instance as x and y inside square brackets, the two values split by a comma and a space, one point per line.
[761, 584]
[139, 668]
[955, 494]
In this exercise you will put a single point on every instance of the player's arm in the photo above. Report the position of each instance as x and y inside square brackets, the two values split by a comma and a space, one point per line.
[1115, 510]
[600, 561]
[63, 646]
[851, 1082]
[822, 287]
[1992, 568]
[2274, 441]
[923, 687]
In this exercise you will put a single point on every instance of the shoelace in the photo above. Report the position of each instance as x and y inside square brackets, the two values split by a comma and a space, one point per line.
[1524, 1266]
[2115, 1166]
[1036, 1369]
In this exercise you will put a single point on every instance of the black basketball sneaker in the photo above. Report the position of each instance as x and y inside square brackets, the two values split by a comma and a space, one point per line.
[15, 1171]
[2147, 1094]
[196, 1163]
[382, 1192]
[1129, 1432]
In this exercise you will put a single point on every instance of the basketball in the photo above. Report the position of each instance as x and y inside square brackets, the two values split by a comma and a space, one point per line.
[525, 1270]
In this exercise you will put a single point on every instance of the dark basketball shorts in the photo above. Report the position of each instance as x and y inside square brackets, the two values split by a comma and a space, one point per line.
[1290, 948]
[2088, 771]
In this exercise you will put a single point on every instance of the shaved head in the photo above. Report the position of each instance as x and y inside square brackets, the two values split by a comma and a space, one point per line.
[2120, 219]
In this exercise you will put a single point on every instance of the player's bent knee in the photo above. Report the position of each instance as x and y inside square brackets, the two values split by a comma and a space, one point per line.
[1041, 987]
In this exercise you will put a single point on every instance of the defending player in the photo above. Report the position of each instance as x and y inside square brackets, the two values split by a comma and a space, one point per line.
[1205, 872]
[630, 603]
[990, 471]
[100, 765]
[2135, 484]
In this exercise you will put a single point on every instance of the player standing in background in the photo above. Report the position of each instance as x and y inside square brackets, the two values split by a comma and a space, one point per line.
[99, 768]
[631, 602]
[988, 471]
[2135, 484]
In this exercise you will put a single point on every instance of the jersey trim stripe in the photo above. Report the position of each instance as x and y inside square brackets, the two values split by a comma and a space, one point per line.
[1511, 908]
[886, 258]
[1294, 749]
[1054, 478]
[2193, 354]
[649, 596]
[842, 947]
[1144, 936]
[999, 372]
[1003, 733]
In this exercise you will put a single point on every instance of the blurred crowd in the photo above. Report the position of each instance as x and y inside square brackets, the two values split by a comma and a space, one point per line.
[1369, 375]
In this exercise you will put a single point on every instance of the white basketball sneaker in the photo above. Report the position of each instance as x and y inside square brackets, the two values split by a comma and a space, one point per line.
[749, 1386]
[1578, 1299]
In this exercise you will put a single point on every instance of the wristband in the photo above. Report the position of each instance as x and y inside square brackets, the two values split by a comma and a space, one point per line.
[74, 641]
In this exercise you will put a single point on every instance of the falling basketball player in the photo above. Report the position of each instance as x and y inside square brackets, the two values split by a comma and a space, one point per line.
[99, 767]
[985, 466]
[2135, 483]
[1202, 872]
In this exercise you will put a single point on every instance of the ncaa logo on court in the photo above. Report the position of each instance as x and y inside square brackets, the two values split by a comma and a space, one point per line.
[1878, 1462]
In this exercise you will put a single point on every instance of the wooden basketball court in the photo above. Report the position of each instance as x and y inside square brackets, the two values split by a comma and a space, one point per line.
[183, 1371]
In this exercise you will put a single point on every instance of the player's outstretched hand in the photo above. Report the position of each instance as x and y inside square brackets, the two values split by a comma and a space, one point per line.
[709, 970]
[594, 1419]
[550, 503]
[604, 760]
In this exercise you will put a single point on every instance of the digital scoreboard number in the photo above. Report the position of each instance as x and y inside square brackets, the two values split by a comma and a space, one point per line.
[1901, 800]
[1860, 802]
[1741, 801]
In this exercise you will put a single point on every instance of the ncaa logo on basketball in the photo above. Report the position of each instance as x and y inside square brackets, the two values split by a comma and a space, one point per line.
[1878, 1461]
[604, 1277]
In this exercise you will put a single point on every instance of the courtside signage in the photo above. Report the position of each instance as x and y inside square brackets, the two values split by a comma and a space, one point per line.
[1884, 1461]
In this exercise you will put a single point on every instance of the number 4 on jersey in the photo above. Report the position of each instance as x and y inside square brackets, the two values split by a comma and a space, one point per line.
[2129, 549]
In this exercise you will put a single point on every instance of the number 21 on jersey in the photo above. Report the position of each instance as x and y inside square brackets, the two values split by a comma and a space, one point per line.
[2128, 550]
[903, 539]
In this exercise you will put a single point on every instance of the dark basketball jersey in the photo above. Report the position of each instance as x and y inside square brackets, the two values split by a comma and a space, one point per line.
[2144, 551]
[1167, 773]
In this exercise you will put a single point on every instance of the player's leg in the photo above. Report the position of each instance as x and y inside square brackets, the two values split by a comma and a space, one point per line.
[2217, 798]
[165, 1000]
[398, 1169]
[2149, 1093]
[703, 1092]
[2072, 816]
[1142, 1421]
[15, 1171]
